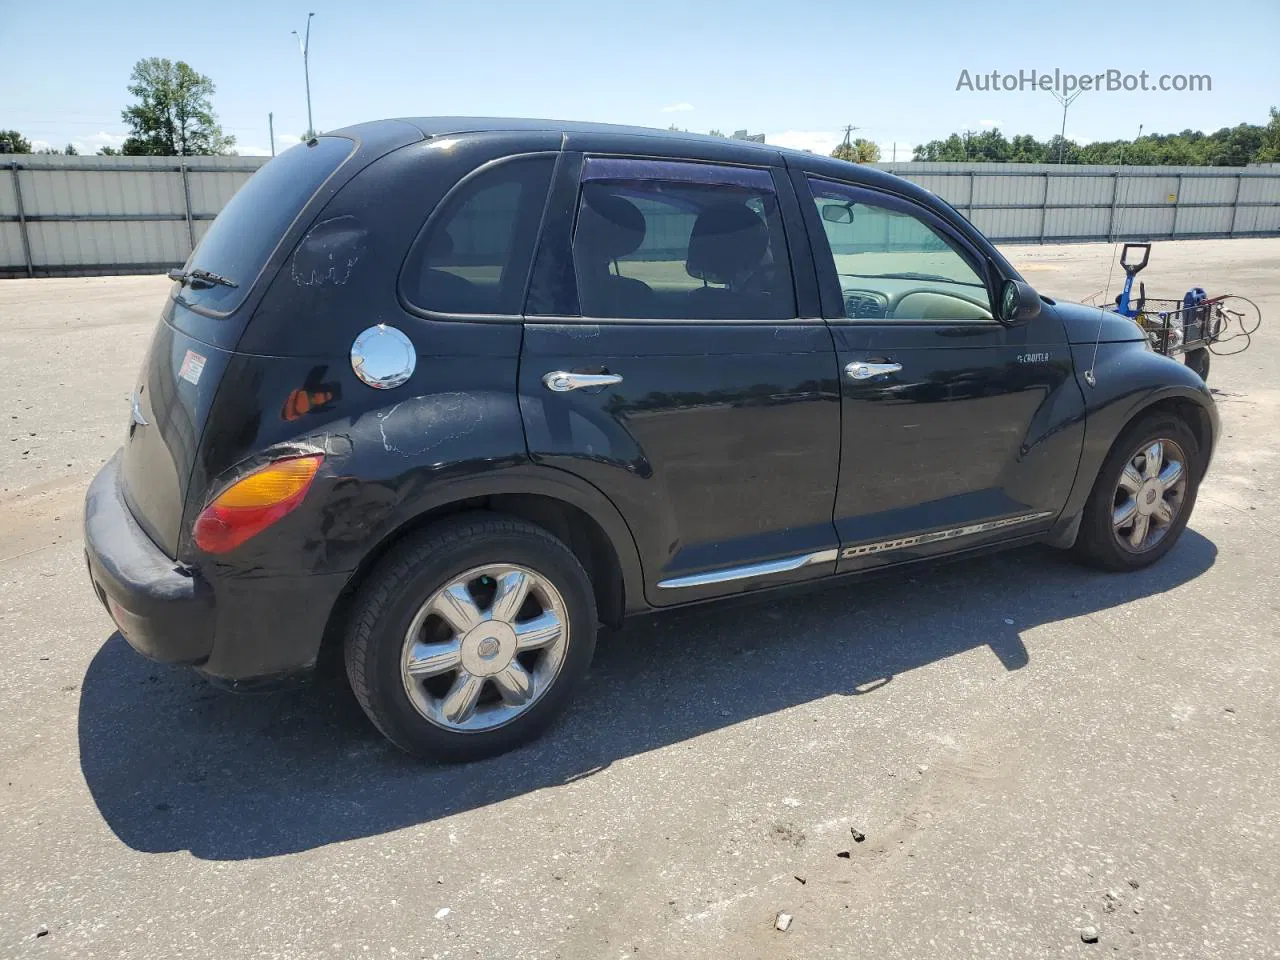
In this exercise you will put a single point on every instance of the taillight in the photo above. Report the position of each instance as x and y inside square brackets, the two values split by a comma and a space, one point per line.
[252, 504]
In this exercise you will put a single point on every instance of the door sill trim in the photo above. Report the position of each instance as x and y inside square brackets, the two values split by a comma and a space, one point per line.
[751, 570]
[901, 543]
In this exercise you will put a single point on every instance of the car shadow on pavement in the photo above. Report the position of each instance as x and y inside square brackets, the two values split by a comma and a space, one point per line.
[175, 764]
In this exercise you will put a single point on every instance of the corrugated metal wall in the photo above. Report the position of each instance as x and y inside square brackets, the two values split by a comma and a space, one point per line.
[74, 216]
[1052, 203]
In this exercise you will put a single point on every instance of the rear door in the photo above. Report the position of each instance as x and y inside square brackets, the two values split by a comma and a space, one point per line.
[951, 419]
[668, 360]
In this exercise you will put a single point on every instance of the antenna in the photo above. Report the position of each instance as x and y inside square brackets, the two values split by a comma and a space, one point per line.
[1090, 377]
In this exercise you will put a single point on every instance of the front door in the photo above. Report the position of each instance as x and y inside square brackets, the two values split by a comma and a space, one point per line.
[664, 362]
[949, 416]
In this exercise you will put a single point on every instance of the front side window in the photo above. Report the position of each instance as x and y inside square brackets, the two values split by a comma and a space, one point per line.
[676, 240]
[473, 257]
[892, 264]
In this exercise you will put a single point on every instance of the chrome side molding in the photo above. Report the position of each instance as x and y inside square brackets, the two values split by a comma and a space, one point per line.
[750, 570]
[901, 543]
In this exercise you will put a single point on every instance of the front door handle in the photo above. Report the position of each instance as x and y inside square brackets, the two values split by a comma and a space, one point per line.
[561, 381]
[863, 370]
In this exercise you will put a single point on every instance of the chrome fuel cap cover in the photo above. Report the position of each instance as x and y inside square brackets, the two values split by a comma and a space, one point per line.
[383, 357]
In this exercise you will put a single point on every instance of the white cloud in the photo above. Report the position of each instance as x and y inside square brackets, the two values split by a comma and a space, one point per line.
[816, 141]
[991, 123]
[283, 142]
[94, 142]
[677, 108]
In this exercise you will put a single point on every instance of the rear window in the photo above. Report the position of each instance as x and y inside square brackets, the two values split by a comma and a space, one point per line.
[240, 241]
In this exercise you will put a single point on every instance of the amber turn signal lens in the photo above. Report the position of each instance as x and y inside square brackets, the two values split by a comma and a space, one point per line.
[253, 503]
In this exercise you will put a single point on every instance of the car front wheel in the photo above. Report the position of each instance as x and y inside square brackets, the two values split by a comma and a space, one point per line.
[1143, 495]
[470, 638]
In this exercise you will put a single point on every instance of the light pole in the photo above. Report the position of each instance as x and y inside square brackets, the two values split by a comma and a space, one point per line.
[304, 42]
[1066, 102]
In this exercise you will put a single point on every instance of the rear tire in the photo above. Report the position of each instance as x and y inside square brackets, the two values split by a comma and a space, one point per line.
[1131, 518]
[451, 657]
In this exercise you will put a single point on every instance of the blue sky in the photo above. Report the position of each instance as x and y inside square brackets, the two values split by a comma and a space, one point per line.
[796, 71]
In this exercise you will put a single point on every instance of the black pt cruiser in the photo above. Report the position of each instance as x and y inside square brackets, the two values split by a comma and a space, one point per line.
[451, 392]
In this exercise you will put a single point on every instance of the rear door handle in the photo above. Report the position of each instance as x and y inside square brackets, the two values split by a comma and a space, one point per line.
[561, 381]
[863, 370]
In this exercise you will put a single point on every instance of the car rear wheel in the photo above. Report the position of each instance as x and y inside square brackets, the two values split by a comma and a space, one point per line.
[469, 639]
[1143, 496]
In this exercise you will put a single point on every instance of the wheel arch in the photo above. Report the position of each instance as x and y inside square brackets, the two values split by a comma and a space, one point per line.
[568, 508]
[1108, 422]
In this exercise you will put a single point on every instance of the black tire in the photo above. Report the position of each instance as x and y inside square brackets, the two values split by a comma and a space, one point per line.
[414, 570]
[1097, 545]
[1198, 361]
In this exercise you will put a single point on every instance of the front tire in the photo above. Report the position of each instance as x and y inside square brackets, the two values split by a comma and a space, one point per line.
[1143, 495]
[469, 639]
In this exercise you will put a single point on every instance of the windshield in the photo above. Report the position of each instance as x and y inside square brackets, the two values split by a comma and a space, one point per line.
[240, 241]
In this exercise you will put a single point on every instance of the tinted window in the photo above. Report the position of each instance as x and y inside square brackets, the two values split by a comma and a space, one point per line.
[473, 257]
[240, 241]
[670, 240]
[892, 263]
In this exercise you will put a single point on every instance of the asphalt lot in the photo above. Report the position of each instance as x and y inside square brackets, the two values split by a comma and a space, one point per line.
[1029, 748]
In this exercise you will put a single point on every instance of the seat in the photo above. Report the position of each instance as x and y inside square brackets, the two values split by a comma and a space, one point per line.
[609, 228]
[729, 245]
[445, 291]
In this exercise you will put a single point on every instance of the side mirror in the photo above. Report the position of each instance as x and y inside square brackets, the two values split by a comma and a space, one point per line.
[1019, 302]
[837, 213]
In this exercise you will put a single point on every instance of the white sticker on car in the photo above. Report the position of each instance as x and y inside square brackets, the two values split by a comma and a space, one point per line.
[192, 367]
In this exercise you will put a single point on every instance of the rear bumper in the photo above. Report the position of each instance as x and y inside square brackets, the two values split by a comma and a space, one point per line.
[239, 630]
[162, 607]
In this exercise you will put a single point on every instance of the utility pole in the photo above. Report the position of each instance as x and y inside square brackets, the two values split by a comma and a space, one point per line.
[1066, 102]
[1135, 143]
[271, 127]
[305, 44]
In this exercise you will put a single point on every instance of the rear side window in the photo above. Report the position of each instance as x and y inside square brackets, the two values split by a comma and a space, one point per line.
[240, 241]
[674, 240]
[473, 256]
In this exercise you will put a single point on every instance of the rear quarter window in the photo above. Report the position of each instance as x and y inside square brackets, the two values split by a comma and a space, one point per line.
[241, 240]
[473, 256]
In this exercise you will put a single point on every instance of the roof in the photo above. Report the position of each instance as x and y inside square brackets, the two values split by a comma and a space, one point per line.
[728, 148]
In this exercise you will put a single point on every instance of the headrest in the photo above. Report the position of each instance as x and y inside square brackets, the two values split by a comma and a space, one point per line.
[609, 227]
[728, 241]
[440, 246]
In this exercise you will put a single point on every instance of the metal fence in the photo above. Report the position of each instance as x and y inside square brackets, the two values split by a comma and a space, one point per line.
[1051, 203]
[82, 216]
[78, 216]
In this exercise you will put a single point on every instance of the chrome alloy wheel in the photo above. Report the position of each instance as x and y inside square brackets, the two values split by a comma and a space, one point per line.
[485, 647]
[1149, 496]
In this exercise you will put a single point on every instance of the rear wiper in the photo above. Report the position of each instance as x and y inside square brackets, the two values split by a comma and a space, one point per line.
[197, 276]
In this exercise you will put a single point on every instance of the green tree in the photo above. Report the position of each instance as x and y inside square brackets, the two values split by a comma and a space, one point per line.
[715, 133]
[17, 143]
[71, 150]
[108, 152]
[174, 113]
[859, 151]
[1269, 151]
